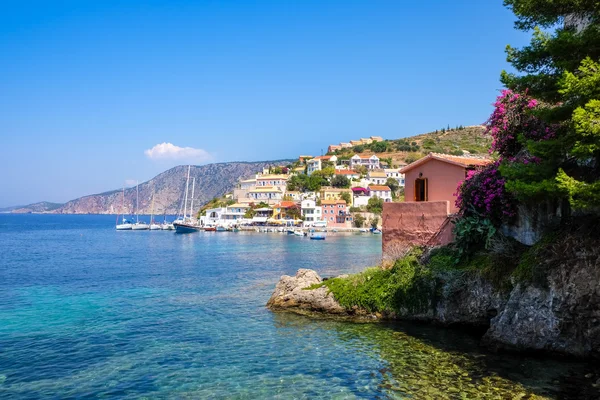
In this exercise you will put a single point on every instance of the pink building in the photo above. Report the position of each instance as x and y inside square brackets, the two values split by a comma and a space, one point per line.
[435, 177]
[336, 214]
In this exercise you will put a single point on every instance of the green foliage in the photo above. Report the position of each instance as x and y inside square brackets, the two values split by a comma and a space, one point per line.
[405, 286]
[305, 183]
[359, 221]
[581, 195]
[374, 222]
[392, 184]
[375, 205]
[354, 209]
[412, 157]
[473, 233]
[340, 181]
[379, 147]
[346, 197]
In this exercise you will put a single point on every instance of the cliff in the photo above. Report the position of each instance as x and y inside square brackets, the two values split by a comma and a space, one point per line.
[551, 305]
[212, 180]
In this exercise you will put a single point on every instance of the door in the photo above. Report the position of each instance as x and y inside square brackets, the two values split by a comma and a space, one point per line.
[421, 189]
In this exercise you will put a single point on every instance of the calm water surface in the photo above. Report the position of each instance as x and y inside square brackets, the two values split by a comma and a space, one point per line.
[88, 312]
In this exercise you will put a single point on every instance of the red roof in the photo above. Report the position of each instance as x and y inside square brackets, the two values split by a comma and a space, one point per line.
[379, 187]
[455, 160]
[285, 204]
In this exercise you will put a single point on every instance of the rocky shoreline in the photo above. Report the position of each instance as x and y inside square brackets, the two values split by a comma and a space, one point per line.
[561, 317]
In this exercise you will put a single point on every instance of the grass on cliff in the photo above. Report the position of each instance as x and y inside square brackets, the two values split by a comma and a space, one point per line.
[404, 286]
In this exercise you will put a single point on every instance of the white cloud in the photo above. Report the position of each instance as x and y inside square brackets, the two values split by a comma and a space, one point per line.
[168, 151]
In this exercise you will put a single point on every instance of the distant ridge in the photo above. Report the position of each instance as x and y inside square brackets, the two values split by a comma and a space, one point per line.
[40, 207]
[212, 180]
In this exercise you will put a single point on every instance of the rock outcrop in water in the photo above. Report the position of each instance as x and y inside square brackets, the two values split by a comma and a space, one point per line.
[561, 315]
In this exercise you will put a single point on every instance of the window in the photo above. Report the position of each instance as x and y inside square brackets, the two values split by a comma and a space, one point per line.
[421, 189]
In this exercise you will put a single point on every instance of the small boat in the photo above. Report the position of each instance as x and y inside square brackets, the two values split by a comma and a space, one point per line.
[140, 226]
[298, 233]
[186, 227]
[363, 230]
[235, 229]
[125, 225]
[155, 227]
[290, 231]
[220, 228]
[317, 237]
[376, 232]
[167, 226]
[210, 228]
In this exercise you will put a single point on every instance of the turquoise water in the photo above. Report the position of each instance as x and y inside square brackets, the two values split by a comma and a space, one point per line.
[88, 312]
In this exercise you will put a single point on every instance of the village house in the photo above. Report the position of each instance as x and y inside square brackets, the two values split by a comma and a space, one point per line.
[435, 177]
[333, 147]
[293, 195]
[356, 142]
[381, 191]
[366, 140]
[316, 164]
[234, 213]
[370, 162]
[304, 158]
[395, 173]
[213, 216]
[311, 212]
[271, 180]
[348, 173]
[377, 138]
[280, 210]
[331, 193]
[261, 215]
[377, 177]
[336, 214]
[345, 145]
[360, 196]
[268, 194]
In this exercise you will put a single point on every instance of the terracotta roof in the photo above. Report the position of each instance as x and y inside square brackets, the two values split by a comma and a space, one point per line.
[454, 160]
[345, 172]
[285, 204]
[333, 201]
[379, 187]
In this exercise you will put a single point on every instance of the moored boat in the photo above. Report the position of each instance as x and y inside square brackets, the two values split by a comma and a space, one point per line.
[187, 224]
[210, 228]
[185, 227]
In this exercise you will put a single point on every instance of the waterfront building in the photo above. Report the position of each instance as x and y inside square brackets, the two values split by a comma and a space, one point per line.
[336, 214]
[280, 210]
[261, 215]
[310, 211]
[268, 194]
[213, 216]
[234, 214]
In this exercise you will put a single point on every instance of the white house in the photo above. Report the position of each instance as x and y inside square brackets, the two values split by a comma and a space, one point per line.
[268, 194]
[234, 214]
[311, 212]
[271, 180]
[348, 173]
[371, 162]
[213, 216]
[316, 164]
[395, 173]
[381, 191]
[377, 177]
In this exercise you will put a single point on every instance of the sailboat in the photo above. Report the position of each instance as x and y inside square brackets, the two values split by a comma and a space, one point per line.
[138, 226]
[153, 225]
[187, 224]
[125, 225]
[166, 226]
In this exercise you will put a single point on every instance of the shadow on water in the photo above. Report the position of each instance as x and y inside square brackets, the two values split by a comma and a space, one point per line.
[427, 362]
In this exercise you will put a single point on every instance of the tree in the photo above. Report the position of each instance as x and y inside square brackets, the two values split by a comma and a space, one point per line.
[379, 147]
[362, 170]
[359, 220]
[556, 152]
[340, 181]
[294, 212]
[392, 184]
[346, 197]
[375, 205]
[374, 222]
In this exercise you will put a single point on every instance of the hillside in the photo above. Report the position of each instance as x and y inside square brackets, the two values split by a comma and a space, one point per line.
[470, 140]
[42, 206]
[212, 180]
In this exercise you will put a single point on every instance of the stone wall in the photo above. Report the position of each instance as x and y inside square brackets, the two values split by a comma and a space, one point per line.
[413, 223]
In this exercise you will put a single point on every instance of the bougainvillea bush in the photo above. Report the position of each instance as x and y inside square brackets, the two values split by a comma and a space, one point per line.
[483, 193]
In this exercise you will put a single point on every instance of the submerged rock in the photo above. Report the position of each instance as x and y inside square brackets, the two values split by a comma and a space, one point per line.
[291, 294]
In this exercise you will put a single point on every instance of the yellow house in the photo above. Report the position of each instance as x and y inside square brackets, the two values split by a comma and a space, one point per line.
[280, 209]
[331, 193]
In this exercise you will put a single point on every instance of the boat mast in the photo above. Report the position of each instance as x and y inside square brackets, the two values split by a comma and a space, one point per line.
[137, 202]
[187, 186]
[152, 210]
[192, 201]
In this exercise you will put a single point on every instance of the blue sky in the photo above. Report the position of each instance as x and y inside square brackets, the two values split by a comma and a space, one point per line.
[87, 87]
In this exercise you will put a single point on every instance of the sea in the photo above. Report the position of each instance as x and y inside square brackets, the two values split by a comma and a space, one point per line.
[88, 312]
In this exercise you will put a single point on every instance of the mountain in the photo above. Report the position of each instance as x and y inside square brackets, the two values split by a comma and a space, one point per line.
[212, 180]
[42, 206]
